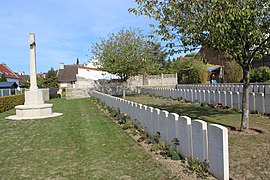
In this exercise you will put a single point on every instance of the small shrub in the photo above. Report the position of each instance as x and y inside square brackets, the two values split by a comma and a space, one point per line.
[168, 151]
[122, 118]
[176, 157]
[139, 127]
[198, 166]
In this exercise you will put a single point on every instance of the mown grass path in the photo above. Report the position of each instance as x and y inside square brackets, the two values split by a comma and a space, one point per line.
[81, 144]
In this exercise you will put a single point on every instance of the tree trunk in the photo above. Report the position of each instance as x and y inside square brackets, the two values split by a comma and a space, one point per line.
[245, 99]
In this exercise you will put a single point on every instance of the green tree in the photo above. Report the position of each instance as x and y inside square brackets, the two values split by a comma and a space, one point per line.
[233, 72]
[190, 71]
[238, 28]
[3, 78]
[77, 61]
[128, 53]
[26, 81]
[41, 81]
[261, 74]
[51, 79]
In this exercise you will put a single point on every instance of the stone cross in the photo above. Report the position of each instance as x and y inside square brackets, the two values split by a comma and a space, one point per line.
[33, 78]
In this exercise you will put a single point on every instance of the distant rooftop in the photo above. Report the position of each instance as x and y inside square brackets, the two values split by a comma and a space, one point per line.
[68, 73]
[8, 73]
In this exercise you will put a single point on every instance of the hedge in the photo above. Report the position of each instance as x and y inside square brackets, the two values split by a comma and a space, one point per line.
[9, 102]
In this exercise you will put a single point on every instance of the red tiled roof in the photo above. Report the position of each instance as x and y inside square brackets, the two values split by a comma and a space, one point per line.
[89, 68]
[8, 73]
[211, 55]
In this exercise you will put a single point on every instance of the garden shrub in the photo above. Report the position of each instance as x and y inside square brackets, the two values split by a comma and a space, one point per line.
[9, 102]
[233, 72]
[261, 74]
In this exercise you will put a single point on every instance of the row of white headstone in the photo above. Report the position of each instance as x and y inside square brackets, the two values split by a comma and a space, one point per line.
[258, 102]
[253, 88]
[207, 142]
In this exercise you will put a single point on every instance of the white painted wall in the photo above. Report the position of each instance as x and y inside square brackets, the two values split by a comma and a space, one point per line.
[88, 73]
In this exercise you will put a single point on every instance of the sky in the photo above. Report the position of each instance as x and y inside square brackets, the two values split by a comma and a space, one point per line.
[64, 30]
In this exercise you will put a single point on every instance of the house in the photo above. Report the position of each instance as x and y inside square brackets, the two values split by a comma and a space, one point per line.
[218, 63]
[66, 76]
[81, 76]
[9, 74]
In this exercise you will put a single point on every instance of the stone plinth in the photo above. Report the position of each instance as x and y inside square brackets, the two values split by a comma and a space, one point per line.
[33, 112]
[34, 97]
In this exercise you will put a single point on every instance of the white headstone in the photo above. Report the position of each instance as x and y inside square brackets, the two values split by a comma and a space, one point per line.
[260, 102]
[199, 139]
[163, 119]
[184, 136]
[229, 99]
[155, 118]
[212, 97]
[223, 98]
[218, 151]
[252, 105]
[267, 103]
[149, 121]
[172, 127]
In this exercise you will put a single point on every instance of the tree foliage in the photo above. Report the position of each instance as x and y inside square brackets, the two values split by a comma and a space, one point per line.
[241, 29]
[128, 53]
[26, 82]
[261, 74]
[233, 72]
[189, 71]
[3, 78]
[51, 79]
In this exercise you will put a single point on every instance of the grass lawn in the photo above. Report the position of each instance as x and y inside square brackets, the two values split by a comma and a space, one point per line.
[81, 144]
[249, 154]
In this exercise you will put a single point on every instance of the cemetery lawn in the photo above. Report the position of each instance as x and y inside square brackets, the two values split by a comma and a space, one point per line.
[82, 144]
[249, 154]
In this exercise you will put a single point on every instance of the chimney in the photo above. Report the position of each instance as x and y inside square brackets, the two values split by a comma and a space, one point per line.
[61, 65]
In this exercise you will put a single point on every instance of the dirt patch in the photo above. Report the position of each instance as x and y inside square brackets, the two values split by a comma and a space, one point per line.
[249, 132]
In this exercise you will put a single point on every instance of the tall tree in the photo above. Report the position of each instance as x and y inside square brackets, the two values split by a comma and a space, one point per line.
[50, 80]
[77, 61]
[128, 53]
[241, 29]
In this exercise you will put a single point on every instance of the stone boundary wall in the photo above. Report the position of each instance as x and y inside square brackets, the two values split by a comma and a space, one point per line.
[154, 80]
[197, 138]
[115, 87]
[163, 80]
[76, 93]
[258, 102]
